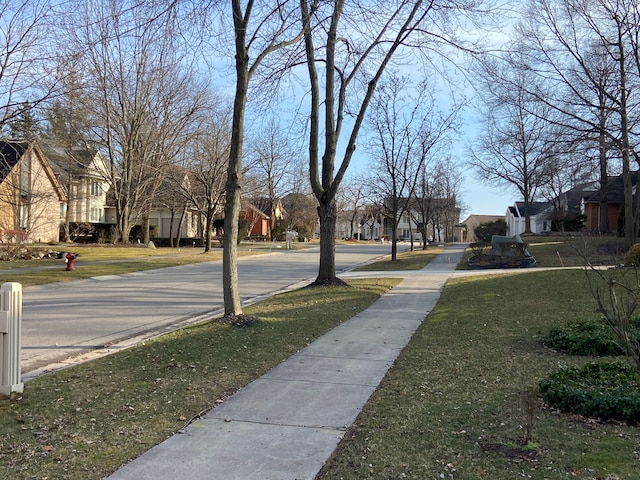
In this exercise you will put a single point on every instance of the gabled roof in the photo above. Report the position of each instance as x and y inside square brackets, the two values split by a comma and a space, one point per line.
[10, 154]
[535, 208]
[480, 219]
[64, 161]
[615, 190]
[572, 199]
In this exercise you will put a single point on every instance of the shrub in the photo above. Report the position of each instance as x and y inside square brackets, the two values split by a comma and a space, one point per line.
[593, 338]
[609, 390]
[632, 257]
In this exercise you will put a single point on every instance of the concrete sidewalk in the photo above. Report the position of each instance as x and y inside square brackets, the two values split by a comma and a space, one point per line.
[286, 424]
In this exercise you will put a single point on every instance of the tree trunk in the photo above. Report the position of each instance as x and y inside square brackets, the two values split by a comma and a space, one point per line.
[146, 229]
[208, 229]
[603, 221]
[394, 238]
[234, 171]
[327, 211]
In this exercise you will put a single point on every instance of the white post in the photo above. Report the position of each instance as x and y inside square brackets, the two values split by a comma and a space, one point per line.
[10, 338]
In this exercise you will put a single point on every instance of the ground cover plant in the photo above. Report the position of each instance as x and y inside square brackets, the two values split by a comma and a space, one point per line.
[87, 420]
[462, 400]
[586, 337]
[609, 390]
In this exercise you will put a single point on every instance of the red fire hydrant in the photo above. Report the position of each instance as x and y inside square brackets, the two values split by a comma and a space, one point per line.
[70, 258]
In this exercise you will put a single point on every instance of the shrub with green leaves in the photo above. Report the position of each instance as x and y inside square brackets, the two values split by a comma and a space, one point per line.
[589, 337]
[609, 390]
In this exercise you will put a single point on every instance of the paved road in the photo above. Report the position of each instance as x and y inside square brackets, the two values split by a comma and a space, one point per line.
[95, 316]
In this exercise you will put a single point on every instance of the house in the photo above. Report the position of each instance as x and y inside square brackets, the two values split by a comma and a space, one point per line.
[583, 198]
[259, 216]
[83, 174]
[474, 221]
[590, 202]
[31, 197]
[442, 222]
[541, 214]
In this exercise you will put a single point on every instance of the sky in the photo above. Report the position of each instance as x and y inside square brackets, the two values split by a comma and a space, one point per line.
[476, 197]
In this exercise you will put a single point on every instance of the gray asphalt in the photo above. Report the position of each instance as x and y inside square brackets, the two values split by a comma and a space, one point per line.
[68, 322]
[286, 424]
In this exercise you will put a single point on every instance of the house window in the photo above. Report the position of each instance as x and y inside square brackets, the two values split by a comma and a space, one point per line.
[24, 176]
[95, 214]
[95, 189]
[24, 216]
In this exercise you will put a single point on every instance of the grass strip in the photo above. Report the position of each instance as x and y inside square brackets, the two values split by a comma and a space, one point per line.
[415, 260]
[39, 272]
[461, 398]
[87, 420]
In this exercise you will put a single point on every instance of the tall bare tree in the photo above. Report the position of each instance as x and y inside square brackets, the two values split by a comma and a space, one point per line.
[354, 43]
[202, 179]
[516, 143]
[577, 80]
[407, 132]
[141, 80]
[260, 28]
[273, 163]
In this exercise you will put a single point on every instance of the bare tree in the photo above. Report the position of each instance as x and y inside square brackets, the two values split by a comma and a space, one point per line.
[273, 164]
[69, 127]
[260, 29]
[144, 95]
[202, 180]
[26, 57]
[352, 199]
[371, 219]
[408, 131]
[516, 143]
[587, 53]
[354, 43]
[435, 199]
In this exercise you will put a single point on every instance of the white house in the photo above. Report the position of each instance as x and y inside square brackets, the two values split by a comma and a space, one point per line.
[540, 218]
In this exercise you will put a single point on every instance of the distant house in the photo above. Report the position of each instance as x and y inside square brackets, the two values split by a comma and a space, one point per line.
[258, 215]
[442, 222]
[31, 198]
[474, 221]
[583, 198]
[590, 202]
[82, 173]
[541, 215]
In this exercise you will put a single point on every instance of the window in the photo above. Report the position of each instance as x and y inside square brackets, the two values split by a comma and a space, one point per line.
[95, 189]
[24, 176]
[95, 215]
[24, 216]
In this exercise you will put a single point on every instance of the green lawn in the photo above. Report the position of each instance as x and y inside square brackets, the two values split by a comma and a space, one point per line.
[462, 395]
[457, 404]
[85, 421]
